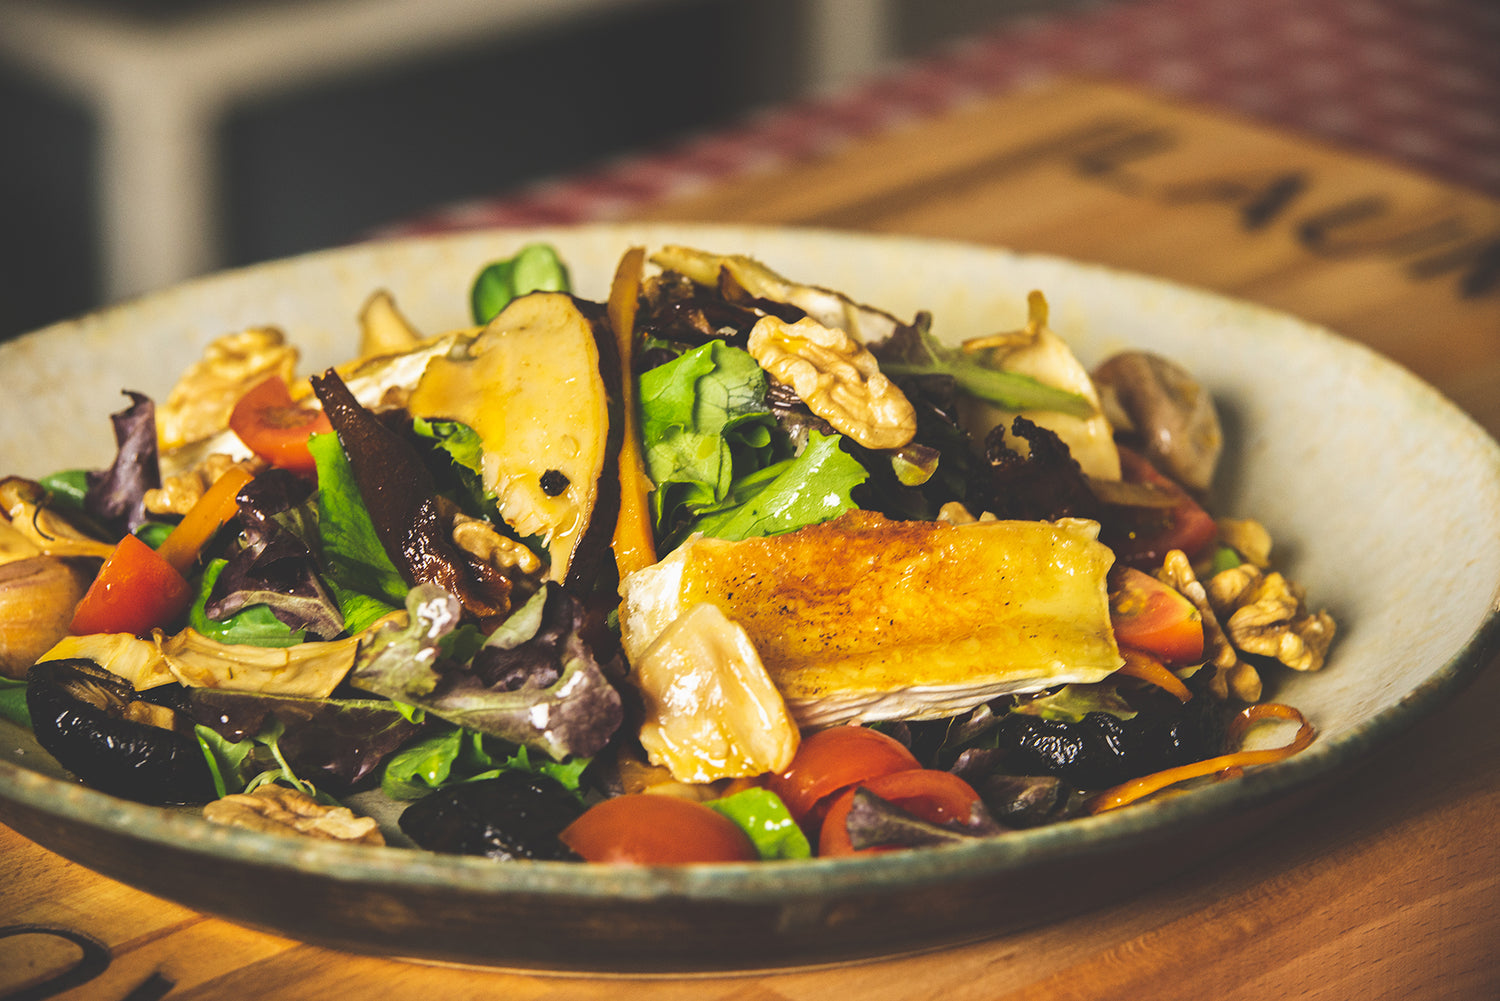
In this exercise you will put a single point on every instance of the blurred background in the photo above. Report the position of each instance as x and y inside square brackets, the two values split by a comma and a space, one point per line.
[149, 140]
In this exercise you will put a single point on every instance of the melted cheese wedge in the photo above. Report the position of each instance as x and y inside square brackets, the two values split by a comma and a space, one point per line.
[865, 619]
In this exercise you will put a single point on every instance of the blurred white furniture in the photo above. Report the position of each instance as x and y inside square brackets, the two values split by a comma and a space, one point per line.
[159, 88]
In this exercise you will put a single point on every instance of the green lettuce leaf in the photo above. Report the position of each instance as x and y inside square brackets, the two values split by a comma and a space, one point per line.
[226, 758]
[423, 765]
[463, 449]
[13, 701]
[810, 489]
[536, 267]
[454, 754]
[705, 422]
[254, 625]
[67, 489]
[534, 681]
[913, 351]
[356, 567]
[1071, 703]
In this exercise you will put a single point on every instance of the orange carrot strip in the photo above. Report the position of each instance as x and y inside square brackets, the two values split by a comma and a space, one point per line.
[1129, 792]
[1147, 668]
[634, 545]
[214, 508]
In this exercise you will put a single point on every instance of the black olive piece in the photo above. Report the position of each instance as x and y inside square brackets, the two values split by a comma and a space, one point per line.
[554, 482]
[99, 728]
[515, 815]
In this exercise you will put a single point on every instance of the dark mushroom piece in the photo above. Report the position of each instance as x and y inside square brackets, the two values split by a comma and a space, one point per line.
[102, 730]
[1163, 404]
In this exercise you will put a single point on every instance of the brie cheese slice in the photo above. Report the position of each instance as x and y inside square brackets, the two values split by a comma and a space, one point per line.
[863, 619]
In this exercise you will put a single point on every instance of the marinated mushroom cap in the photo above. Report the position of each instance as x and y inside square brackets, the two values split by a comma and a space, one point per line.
[98, 727]
[1174, 416]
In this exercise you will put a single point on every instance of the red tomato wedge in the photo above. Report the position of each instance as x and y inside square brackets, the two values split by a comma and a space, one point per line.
[832, 759]
[935, 796]
[136, 590]
[276, 428]
[1187, 526]
[1153, 617]
[656, 829]
[140, 588]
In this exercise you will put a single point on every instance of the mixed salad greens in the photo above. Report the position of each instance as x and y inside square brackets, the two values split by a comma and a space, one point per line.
[726, 568]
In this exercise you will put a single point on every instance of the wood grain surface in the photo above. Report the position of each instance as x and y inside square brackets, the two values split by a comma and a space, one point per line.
[1387, 887]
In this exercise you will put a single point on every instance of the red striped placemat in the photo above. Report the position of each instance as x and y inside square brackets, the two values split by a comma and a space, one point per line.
[1416, 82]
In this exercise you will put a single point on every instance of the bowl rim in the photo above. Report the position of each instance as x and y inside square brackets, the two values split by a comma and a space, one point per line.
[759, 882]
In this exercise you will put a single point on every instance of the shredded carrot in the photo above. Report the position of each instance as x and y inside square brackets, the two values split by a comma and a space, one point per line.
[213, 509]
[634, 546]
[1129, 792]
[1148, 669]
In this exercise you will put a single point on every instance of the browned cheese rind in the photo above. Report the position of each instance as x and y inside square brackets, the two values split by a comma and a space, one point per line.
[862, 618]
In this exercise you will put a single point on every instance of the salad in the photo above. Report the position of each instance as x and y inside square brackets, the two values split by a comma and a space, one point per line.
[726, 568]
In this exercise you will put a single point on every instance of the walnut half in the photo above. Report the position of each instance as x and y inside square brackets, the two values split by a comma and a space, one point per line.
[178, 494]
[837, 378]
[282, 810]
[1231, 674]
[1267, 615]
[480, 539]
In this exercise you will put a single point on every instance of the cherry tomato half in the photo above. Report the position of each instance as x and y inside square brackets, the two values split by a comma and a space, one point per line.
[1186, 526]
[1155, 617]
[656, 829]
[275, 428]
[832, 759]
[935, 796]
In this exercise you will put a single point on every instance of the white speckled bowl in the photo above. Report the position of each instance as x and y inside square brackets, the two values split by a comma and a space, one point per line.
[1383, 498]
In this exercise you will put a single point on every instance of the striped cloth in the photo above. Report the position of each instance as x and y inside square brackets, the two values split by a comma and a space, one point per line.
[1416, 82]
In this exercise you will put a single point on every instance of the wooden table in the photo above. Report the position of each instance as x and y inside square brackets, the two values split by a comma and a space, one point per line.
[1389, 887]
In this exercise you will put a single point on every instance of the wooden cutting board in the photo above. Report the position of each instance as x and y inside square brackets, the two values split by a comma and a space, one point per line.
[1109, 175]
[1385, 889]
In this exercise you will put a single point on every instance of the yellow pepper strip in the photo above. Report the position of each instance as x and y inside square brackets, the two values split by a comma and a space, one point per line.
[213, 509]
[1150, 670]
[1129, 792]
[634, 545]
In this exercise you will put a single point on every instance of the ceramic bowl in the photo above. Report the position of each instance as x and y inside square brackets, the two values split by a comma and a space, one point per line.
[1382, 498]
